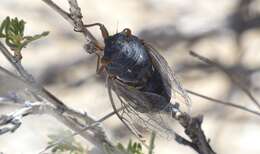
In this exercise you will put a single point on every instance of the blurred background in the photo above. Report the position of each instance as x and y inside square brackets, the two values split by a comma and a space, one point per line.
[226, 31]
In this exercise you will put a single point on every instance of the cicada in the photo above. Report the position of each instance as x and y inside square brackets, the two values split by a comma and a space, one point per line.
[142, 87]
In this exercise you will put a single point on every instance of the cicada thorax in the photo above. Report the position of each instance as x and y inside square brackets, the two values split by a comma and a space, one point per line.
[130, 63]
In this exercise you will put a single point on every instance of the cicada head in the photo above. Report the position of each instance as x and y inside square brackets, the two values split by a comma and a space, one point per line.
[125, 57]
[116, 44]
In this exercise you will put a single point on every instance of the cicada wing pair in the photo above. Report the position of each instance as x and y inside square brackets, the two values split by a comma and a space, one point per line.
[177, 92]
[131, 103]
[127, 103]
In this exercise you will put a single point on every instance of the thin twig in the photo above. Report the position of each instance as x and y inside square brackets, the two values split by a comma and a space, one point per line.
[28, 78]
[229, 104]
[93, 124]
[12, 121]
[63, 13]
[16, 64]
[234, 80]
[193, 129]
[75, 19]
[40, 91]
[181, 140]
[98, 137]
[61, 116]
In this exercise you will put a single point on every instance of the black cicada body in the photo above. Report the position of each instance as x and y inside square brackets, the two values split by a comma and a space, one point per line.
[131, 64]
[145, 87]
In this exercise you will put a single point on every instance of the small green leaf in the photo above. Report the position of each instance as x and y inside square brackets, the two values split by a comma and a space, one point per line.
[11, 44]
[12, 30]
[129, 145]
[151, 144]
[21, 27]
[67, 145]
[3, 26]
[29, 39]
[7, 25]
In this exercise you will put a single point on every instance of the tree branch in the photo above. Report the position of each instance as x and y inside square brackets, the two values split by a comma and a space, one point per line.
[12, 121]
[75, 19]
[68, 116]
[65, 113]
[232, 78]
[193, 129]
[229, 104]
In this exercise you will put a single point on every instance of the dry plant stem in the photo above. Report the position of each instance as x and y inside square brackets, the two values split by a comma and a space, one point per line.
[76, 16]
[69, 116]
[181, 140]
[229, 104]
[15, 64]
[12, 121]
[63, 13]
[75, 19]
[192, 126]
[94, 124]
[234, 80]
[27, 77]
[97, 139]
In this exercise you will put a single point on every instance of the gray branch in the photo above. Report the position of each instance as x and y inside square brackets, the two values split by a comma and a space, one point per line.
[193, 129]
[10, 122]
[75, 19]
[73, 119]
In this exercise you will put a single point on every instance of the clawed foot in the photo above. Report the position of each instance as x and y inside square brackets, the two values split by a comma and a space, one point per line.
[77, 30]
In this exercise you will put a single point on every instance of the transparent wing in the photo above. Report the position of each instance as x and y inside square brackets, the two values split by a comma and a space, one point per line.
[174, 87]
[13, 89]
[133, 111]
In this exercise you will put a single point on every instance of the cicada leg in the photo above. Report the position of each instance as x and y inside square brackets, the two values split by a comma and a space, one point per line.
[103, 29]
[105, 35]
[98, 64]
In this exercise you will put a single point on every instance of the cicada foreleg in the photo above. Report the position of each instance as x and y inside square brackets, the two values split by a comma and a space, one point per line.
[103, 29]
[105, 35]
[98, 46]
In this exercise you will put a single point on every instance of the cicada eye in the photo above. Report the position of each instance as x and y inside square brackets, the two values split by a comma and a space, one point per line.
[127, 32]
